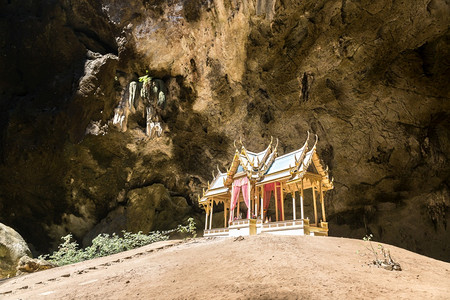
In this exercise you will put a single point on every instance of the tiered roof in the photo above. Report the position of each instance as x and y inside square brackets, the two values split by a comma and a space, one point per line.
[284, 166]
[257, 164]
[265, 167]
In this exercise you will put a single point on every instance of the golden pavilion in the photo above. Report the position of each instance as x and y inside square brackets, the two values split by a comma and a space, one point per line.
[257, 187]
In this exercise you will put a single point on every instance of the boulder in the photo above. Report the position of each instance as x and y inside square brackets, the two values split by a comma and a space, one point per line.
[148, 209]
[12, 248]
[114, 222]
[27, 264]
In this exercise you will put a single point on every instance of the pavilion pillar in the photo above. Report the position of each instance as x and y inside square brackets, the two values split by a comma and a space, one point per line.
[249, 208]
[315, 204]
[224, 215]
[293, 205]
[261, 196]
[206, 219]
[276, 202]
[256, 201]
[323, 204]
[301, 202]
[282, 201]
[211, 214]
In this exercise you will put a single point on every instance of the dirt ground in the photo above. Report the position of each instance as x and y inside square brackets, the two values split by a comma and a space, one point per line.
[256, 267]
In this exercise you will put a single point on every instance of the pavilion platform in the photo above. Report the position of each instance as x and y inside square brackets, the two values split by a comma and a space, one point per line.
[248, 227]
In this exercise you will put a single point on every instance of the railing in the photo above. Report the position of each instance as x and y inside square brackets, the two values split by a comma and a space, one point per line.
[283, 224]
[242, 223]
[216, 231]
[253, 226]
[243, 227]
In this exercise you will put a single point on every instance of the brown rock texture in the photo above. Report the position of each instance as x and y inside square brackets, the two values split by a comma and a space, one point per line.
[370, 78]
[27, 264]
[12, 249]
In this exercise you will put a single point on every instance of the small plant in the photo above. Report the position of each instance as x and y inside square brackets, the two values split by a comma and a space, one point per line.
[145, 78]
[189, 228]
[146, 85]
[385, 260]
[69, 251]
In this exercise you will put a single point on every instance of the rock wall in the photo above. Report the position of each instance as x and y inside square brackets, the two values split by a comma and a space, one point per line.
[371, 79]
[12, 249]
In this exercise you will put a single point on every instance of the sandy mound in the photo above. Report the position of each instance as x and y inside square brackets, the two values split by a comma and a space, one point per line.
[257, 267]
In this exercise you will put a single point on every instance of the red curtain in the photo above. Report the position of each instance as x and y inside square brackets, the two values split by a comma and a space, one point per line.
[235, 191]
[268, 189]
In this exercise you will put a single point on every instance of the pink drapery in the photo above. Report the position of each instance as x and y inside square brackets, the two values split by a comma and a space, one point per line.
[268, 189]
[239, 184]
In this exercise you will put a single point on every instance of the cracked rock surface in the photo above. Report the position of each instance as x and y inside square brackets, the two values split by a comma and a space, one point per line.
[370, 78]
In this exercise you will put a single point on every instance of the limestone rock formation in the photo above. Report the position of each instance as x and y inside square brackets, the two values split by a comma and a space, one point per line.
[148, 209]
[12, 248]
[370, 78]
[27, 264]
[152, 207]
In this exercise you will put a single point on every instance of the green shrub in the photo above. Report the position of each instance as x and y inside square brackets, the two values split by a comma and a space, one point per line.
[190, 228]
[105, 244]
[68, 253]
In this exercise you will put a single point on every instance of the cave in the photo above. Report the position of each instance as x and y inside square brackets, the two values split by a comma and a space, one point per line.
[369, 78]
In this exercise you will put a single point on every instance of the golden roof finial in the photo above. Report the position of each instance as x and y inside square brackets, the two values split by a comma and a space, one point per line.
[306, 142]
[242, 144]
[271, 140]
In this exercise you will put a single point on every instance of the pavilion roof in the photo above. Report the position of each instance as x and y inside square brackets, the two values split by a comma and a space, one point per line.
[256, 164]
[265, 167]
[217, 187]
[285, 165]
[313, 158]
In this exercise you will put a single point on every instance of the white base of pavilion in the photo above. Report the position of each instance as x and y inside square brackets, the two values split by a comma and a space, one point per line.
[251, 227]
[284, 228]
[220, 232]
[242, 228]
